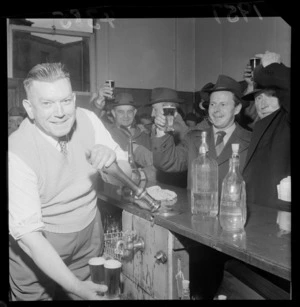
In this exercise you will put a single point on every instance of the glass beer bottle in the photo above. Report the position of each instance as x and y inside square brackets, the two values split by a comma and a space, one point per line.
[204, 190]
[233, 211]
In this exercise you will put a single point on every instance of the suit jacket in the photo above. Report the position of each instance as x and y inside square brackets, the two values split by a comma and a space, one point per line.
[268, 160]
[171, 158]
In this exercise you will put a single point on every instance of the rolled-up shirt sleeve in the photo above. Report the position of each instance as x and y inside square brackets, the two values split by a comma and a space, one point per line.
[24, 202]
[102, 136]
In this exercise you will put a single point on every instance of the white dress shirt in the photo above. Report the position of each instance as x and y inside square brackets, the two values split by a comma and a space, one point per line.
[23, 182]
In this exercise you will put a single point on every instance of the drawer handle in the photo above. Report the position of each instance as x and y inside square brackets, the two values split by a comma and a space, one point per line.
[161, 257]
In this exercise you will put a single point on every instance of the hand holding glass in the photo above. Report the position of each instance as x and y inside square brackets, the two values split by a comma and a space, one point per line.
[96, 265]
[112, 272]
[169, 113]
[111, 84]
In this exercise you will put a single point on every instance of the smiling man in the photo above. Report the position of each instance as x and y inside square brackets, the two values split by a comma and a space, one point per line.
[54, 162]
[224, 104]
[124, 110]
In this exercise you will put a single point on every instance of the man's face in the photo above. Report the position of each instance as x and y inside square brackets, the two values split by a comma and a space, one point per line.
[52, 106]
[266, 103]
[13, 123]
[124, 115]
[222, 109]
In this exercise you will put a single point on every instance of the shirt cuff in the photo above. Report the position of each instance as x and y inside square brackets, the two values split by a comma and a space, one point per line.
[19, 229]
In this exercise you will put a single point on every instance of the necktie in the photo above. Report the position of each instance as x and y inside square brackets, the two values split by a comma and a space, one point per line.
[220, 142]
[63, 146]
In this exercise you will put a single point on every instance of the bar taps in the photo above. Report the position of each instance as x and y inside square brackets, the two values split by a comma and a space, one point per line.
[130, 244]
[140, 192]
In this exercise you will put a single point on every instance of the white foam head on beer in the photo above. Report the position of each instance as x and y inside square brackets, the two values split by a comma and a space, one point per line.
[97, 261]
[112, 264]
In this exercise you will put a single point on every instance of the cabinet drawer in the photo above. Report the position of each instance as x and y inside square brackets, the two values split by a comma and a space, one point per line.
[144, 270]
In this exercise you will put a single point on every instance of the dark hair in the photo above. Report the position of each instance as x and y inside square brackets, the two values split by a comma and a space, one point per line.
[192, 117]
[145, 115]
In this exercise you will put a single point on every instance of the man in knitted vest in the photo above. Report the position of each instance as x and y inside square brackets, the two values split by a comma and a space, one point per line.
[55, 158]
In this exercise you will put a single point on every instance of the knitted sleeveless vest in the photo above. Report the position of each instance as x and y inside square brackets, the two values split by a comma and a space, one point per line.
[66, 185]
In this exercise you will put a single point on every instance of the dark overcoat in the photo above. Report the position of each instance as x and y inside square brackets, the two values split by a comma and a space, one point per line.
[268, 160]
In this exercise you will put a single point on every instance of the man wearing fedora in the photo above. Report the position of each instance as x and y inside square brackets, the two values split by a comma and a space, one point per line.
[159, 97]
[224, 103]
[124, 110]
[268, 159]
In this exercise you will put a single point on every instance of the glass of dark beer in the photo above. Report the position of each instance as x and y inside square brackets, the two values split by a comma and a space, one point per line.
[169, 112]
[254, 62]
[96, 265]
[112, 271]
[111, 84]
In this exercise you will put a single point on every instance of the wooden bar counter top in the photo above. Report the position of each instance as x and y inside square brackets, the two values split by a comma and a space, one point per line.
[262, 244]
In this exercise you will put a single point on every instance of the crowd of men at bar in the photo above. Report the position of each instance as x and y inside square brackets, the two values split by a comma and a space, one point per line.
[58, 150]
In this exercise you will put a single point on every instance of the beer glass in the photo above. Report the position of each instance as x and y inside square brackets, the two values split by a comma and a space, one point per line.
[111, 84]
[169, 112]
[96, 265]
[112, 271]
[254, 62]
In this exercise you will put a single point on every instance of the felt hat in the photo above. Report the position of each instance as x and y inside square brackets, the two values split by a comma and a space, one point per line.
[164, 94]
[275, 75]
[225, 83]
[123, 99]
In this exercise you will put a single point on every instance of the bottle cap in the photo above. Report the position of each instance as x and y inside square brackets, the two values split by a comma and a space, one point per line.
[235, 147]
[203, 133]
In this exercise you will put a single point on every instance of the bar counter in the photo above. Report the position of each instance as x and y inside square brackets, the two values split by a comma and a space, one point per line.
[261, 245]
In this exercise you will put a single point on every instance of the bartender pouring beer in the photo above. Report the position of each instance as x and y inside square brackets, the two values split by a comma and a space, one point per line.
[54, 162]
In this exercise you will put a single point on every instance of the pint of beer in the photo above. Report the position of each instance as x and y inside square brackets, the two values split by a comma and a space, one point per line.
[96, 265]
[169, 113]
[111, 84]
[254, 62]
[112, 271]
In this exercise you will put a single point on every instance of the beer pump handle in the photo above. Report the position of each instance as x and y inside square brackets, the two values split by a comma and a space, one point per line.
[118, 173]
[140, 193]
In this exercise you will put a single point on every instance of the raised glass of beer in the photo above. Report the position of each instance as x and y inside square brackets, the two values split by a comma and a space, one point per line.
[254, 62]
[169, 112]
[112, 271]
[111, 84]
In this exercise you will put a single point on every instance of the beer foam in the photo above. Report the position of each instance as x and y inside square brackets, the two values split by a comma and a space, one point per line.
[96, 261]
[112, 264]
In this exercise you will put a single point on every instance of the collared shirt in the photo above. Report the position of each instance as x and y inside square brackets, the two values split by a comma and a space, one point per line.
[228, 131]
[23, 182]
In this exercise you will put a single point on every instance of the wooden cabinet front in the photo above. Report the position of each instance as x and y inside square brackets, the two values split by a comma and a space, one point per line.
[146, 277]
